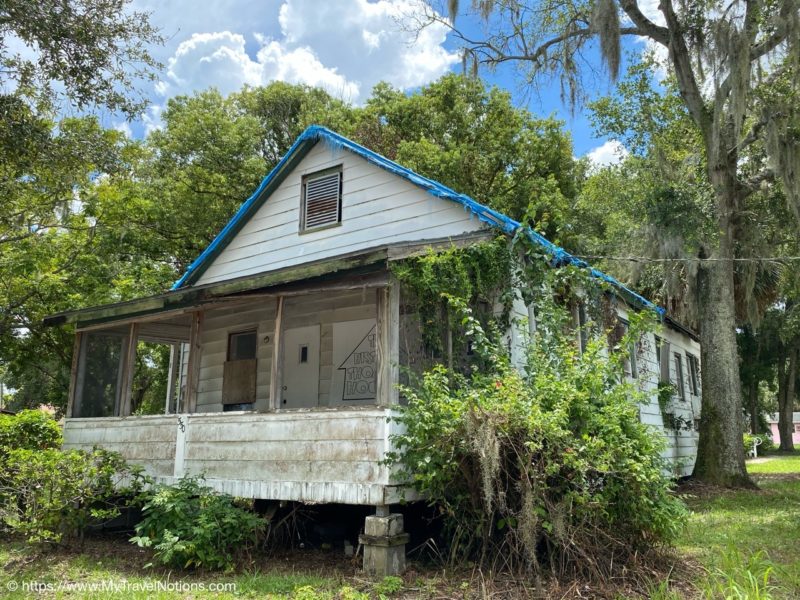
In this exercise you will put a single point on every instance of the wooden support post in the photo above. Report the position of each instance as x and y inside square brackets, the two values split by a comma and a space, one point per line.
[276, 372]
[388, 344]
[193, 368]
[74, 388]
[172, 377]
[128, 369]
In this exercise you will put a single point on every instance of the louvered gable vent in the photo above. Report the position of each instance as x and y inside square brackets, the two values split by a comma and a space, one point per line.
[322, 200]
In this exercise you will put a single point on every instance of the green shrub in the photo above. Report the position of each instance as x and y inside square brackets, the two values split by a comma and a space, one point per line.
[29, 430]
[48, 495]
[549, 467]
[189, 525]
[765, 446]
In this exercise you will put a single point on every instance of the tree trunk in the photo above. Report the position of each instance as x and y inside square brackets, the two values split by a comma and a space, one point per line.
[720, 452]
[786, 392]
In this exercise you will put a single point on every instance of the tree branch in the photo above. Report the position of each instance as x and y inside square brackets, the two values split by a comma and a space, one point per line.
[644, 25]
[778, 36]
[681, 62]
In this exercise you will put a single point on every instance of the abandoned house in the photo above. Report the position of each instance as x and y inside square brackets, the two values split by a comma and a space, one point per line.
[288, 336]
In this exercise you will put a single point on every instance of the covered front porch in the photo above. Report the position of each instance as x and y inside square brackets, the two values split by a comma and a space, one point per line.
[279, 389]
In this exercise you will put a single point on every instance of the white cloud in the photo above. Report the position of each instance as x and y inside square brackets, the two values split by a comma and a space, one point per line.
[207, 59]
[607, 154]
[125, 128]
[343, 46]
[151, 119]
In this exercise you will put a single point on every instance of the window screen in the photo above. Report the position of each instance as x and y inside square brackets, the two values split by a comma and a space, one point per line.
[322, 199]
[99, 376]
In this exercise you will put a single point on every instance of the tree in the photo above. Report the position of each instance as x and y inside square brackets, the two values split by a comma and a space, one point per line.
[736, 69]
[87, 54]
[474, 140]
[89, 51]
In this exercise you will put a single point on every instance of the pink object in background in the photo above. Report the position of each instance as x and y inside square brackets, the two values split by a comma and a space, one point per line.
[773, 425]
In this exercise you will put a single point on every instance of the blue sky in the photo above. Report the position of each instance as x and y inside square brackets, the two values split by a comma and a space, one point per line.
[344, 46]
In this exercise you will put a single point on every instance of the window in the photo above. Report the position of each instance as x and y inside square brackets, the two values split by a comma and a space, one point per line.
[583, 327]
[679, 376]
[239, 372]
[631, 368]
[662, 356]
[321, 199]
[242, 345]
[694, 370]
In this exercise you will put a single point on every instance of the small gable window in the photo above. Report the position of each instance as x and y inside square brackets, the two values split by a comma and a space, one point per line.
[322, 199]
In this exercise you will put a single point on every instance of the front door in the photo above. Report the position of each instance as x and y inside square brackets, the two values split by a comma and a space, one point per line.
[300, 367]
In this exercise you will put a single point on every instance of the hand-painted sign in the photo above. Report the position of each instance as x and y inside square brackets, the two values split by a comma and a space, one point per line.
[355, 355]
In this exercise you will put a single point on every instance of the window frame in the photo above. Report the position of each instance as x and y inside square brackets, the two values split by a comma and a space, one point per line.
[238, 332]
[631, 364]
[681, 384]
[694, 370]
[303, 228]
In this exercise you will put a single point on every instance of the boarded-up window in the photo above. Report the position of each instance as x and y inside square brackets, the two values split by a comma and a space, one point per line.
[239, 372]
[322, 199]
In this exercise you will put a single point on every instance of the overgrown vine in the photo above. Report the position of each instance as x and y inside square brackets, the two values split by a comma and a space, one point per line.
[544, 466]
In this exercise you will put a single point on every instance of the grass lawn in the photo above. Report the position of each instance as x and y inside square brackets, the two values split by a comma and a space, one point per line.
[748, 540]
[738, 544]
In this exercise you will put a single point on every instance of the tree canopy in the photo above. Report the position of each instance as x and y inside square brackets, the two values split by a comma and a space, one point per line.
[735, 69]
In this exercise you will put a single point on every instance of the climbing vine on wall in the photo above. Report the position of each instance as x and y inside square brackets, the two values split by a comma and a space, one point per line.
[479, 275]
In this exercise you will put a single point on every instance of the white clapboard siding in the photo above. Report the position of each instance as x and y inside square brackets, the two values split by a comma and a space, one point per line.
[218, 323]
[309, 446]
[681, 445]
[319, 455]
[378, 207]
[299, 311]
[148, 441]
[325, 310]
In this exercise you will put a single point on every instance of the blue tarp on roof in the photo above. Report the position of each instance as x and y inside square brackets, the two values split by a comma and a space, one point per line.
[317, 133]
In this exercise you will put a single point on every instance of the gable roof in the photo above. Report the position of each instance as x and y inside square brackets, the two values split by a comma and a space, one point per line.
[317, 133]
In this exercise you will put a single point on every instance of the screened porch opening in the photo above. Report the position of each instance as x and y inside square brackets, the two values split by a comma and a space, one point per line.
[133, 369]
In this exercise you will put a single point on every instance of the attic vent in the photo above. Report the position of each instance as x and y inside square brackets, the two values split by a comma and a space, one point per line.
[322, 199]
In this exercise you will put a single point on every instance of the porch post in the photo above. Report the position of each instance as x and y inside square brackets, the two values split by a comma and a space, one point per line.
[193, 368]
[275, 377]
[172, 377]
[128, 368]
[388, 344]
[74, 388]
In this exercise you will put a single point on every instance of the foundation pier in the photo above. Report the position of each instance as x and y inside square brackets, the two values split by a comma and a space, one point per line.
[384, 543]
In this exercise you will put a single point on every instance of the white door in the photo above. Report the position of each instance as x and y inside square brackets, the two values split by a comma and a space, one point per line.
[300, 386]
